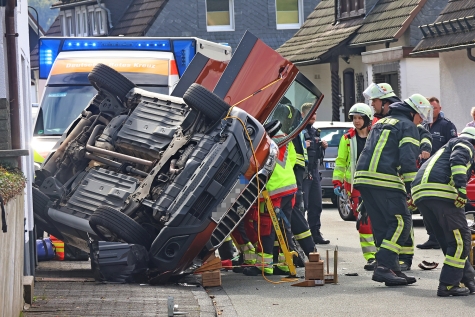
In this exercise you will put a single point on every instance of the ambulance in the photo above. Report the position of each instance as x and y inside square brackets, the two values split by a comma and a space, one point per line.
[155, 64]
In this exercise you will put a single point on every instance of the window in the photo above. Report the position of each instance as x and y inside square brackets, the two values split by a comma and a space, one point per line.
[351, 8]
[84, 24]
[289, 14]
[100, 22]
[68, 28]
[91, 23]
[78, 24]
[219, 15]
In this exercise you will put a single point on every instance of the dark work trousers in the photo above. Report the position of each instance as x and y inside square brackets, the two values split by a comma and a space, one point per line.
[391, 222]
[299, 204]
[312, 192]
[450, 227]
[286, 207]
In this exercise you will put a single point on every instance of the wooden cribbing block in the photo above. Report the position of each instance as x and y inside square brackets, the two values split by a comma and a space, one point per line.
[314, 257]
[310, 283]
[329, 278]
[211, 265]
[314, 270]
[212, 278]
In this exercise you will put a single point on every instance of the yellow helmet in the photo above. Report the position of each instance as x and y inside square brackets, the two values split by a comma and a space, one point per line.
[379, 91]
[422, 106]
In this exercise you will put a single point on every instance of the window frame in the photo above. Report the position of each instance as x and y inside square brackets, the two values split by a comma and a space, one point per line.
[85, 29]
[348, 14]
[91, 21]
[290, 26]
[69, 23]
[221, 28]
[100, 22]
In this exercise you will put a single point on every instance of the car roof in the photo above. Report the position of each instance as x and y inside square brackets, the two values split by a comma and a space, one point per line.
[332, 124]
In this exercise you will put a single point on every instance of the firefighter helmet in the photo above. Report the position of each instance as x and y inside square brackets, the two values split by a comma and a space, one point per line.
[379, 91]
[362, 109]
[422, 106]
[469, 133]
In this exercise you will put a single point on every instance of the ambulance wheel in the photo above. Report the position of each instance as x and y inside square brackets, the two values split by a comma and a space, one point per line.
[103, 77]
[201, 99]
[112, 225]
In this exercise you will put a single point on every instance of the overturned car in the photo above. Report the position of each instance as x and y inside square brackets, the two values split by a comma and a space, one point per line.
[163, 171]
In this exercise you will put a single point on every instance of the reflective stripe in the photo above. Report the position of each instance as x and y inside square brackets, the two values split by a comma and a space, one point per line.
[249, 258]
[369, 249]
[366, 238]
[458, 238]
[426, 140]
[429, 167]
[433, 193]
[303, 235]
[282, 189]
[281, 258]
[466, 147]
[378, 150]
[434, 186]
[409, 177]
[300, 160]
[264, 257]
[379, 183]
[409, 140]
[407, 250]
[391, 121]
[400, 227]
[284, 159]
[246, 247]
[367, 245]
[458, 169]
[276, 243]
[228, 238]
[380, 176]
[451, 261]
[391, 246]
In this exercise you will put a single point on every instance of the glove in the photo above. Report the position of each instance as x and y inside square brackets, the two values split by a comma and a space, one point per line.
[410, 205]
[461, 199]
[362, 216]
[337, 185]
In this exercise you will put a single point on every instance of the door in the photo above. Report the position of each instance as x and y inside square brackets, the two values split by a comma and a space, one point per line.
[348, 91]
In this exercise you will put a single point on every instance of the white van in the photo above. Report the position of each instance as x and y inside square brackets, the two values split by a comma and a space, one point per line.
[154, 64]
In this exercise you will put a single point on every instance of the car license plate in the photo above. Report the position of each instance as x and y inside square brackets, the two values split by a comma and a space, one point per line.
[330, 165]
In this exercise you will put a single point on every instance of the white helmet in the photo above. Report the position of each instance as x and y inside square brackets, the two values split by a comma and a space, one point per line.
[422, 106]
[468, 132]
[362, 109]
[379, 91]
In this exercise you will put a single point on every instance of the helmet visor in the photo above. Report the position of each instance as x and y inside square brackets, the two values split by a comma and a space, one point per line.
[426, 112]
[375, 91]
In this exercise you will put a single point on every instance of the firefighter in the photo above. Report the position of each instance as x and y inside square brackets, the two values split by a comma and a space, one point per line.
[439, 191]
[384, 172]
[281, 188]
[350, 148]
[311, 183]
[382, 96]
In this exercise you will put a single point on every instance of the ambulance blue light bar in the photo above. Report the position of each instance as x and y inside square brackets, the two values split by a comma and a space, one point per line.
[92, 44]
[183, 49]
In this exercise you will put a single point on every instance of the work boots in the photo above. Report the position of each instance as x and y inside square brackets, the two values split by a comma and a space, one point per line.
[429, 244]
[370, 265]
[383, 274]
[449, 290]
[409, 279]
[470, 285]
[318, 238]
[253, 271]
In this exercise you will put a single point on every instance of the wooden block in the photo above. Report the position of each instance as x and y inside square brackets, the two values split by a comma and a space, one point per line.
[209, 279]
[329, 278]
[310, 283]
[314, 270]
[314, 257]
[211, 265]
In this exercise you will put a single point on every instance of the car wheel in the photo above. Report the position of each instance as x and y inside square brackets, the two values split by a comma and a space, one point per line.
[201, 99]
[344, 207]
[107, 78]
[112, 225]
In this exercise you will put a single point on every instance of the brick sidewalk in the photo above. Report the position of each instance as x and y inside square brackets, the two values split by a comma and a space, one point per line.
[68, 289]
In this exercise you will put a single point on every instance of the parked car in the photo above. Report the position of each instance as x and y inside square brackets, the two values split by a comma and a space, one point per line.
[152, 169]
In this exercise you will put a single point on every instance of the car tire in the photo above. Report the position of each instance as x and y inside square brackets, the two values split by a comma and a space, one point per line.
[344, 207]
[201, 99]
[109, 223]
[107, 78]
[334, 200]
[40, 202]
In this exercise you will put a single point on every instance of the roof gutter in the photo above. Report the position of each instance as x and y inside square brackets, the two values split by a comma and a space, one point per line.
[374, 42]
[307, 62]
[445, 49]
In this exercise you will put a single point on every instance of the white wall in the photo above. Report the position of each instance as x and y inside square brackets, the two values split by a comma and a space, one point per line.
[3, 86]
[320, 76]
[420, 75]
[457, 78]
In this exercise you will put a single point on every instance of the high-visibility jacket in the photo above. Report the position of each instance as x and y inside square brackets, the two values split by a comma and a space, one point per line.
[345, 163]
[444, 172]
[389, 157]
[282, 181]
[300, 149]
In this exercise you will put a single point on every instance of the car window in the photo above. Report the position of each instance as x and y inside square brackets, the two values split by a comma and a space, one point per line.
[332, 135]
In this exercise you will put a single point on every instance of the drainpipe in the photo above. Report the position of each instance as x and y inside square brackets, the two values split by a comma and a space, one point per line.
[13, 93]
[469, 54]
[108, 13]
